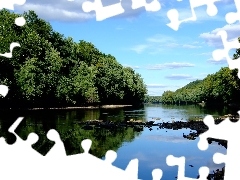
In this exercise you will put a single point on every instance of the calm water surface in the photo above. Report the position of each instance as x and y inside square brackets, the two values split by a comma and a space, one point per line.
[151, 147]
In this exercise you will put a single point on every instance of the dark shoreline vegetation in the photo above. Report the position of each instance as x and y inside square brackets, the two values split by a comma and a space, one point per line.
[50, 70]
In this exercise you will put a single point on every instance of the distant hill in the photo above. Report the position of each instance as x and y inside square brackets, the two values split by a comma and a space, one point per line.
[222, 87]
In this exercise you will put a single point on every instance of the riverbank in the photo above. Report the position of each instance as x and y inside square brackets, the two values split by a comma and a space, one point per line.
[70, 108]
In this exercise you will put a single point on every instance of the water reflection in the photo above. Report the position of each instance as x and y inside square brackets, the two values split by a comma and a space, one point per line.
[150, 147]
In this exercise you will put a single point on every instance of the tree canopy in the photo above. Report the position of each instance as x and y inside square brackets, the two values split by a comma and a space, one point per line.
[52, 70]
[222, 87]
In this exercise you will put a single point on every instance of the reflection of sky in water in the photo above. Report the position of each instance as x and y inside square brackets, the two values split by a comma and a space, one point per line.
[152, 148]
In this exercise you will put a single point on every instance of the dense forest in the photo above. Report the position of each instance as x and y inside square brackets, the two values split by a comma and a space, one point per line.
[50, 70]
[152, 99]
[222, 87]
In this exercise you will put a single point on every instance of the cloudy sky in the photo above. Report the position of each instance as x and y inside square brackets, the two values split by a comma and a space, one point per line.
[165, 58]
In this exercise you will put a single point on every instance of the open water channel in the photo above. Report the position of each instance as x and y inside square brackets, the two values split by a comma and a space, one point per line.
[150, 146]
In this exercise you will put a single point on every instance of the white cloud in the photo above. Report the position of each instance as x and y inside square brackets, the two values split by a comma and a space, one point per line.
[203, 54]
[179, 76]
[173, 65]
[159, 38]
[190, 46]
[214, 40]
[159, 43]
[57, 10]
[158, 89]
[172, 139]
[213, 61]
[71, 11]
[139, 48]
[133, 67]
[156, 86]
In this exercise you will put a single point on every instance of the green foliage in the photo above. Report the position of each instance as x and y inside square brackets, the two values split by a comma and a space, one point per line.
[221, 87]
[152, 99]
[52, 70]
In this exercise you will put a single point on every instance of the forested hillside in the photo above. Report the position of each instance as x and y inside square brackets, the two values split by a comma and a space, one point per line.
[222, 87]
[51, 70]
[152, 99]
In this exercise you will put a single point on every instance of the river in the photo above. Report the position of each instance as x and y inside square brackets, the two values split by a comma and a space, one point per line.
[150, 146]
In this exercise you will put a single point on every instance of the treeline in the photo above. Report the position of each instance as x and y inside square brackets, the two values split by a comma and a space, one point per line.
[222, 87]
[52, 70]
[152, 99]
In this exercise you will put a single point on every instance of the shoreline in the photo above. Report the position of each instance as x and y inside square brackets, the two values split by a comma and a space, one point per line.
[71, 108]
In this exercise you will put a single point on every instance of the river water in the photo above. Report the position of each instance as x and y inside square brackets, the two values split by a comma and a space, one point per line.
[150, 146]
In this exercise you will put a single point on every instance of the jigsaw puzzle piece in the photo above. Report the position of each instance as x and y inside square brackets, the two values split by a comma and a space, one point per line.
[219, 131]
[12, 46]
[21, 151]
[9, 123]
[226, 130]
[173, 14]
[231, 160]
[9, 137]
[102, 12]
[103, 169]
[132, 168]
[223, 53]
[157, 174]
[232, 17]
[4, 90]
[153, 6]
[20, 21]
[58, 149]
[180, 162]
[9, 4]
[219, 54]
[24, 147]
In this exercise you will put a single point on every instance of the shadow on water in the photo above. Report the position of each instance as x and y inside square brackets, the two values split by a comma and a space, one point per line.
[150, 145]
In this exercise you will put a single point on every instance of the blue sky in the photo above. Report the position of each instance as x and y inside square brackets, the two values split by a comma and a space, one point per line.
[166, 59]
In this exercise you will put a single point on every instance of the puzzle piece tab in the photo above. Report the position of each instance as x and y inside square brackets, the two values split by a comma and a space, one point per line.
[102, 12]
[58, 150]
[14, 156]
[232, 17]
[9, 4]
[226, 130]
[102, 169]
[24, 146]
[21, 157]
[173, 14]
[12, 46]
[180, 162]
[220, 54]
[153, 6]
[4, 90]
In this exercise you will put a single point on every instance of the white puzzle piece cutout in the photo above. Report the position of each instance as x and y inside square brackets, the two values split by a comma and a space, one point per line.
[4, 90]
[232, 17]
[22, 157]
[153, 6]
[103, 12]
[173, 14]
[9, 4]
[180, 162]
[229, 131]
[12, 46]
[220, 54]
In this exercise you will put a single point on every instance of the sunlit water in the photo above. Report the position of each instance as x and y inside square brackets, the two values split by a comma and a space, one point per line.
[150, 147]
